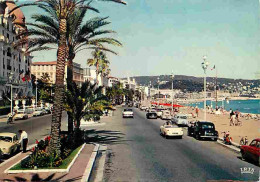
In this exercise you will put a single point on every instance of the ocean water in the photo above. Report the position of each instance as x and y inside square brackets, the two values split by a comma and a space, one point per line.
[245, 106]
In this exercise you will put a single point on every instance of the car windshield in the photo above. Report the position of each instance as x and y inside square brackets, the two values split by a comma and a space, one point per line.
[183, 117]
[171, 126]
[6, 138]
[207, 126]
[128, 110]
[20, 112]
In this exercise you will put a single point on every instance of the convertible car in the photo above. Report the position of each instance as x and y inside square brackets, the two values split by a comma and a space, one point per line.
[9, 143]
[171, 131]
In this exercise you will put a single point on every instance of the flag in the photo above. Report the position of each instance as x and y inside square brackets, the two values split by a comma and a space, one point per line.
[213, 67]
[26, 76]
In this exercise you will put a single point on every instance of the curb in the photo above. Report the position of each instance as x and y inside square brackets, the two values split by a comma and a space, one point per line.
[89, 168]
[233, 146]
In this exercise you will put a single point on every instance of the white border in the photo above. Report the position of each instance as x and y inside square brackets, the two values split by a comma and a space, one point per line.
[43, 170]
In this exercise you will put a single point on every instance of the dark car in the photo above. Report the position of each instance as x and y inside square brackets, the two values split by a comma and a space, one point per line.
[205, 129]
[252, 151]
[151, 115]
[191, 127]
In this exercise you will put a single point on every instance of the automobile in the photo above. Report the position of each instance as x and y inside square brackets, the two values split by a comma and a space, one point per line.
[251, 151]
[180, 120]
[205, 129]
[47, 110]
[171, 131]
[159, 112]
[143, 108]
[9, 143]
[191, 126]
[128, 113]
[38, 112]
[21, 114]
[151, 115]
[166, 115]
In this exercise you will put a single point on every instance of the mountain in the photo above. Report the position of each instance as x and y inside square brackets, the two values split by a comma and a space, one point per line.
[191, 83]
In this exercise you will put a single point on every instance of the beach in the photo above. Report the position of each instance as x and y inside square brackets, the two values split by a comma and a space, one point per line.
[249, 128]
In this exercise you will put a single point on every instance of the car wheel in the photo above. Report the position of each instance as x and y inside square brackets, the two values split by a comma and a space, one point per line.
[243, 155]
[215, 139]
[197, 137]
[180, 137]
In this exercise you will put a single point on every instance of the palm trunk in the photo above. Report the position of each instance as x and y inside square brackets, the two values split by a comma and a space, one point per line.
[69, 87]
[59, 90]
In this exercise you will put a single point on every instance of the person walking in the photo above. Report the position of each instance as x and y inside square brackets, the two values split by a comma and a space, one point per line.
[231, 113]
[197, 111]
[23, 139]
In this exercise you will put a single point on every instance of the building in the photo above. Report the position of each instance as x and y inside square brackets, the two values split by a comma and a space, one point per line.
[40, 68]
[14, 62]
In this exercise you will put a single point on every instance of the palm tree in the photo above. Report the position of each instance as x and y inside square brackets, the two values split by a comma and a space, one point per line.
[85, 101]
[101, 63]
[59, 10]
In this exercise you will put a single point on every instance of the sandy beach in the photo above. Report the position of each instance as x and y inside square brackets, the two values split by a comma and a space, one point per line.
[249, 128]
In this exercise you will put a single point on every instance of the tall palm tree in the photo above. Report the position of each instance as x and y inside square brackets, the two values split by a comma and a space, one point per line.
[59, 10]
[101, 63]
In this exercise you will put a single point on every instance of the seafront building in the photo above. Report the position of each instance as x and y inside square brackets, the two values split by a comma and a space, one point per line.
[14, 62]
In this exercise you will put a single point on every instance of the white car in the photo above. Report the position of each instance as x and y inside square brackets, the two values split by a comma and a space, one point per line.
[171, 131]
[38, 112]
[9, 143]
[21, 114]
[128, 113]
[166, 115]
[159, 112]
[180, 119]
[143, 108]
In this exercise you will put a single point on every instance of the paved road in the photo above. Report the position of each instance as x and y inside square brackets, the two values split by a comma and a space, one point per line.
[138, 153]
[36, 127]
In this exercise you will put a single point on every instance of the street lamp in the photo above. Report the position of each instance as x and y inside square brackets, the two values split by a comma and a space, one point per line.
[158, 81]
[11, 85]
[36, 94]
[205, 65]
[172, 90]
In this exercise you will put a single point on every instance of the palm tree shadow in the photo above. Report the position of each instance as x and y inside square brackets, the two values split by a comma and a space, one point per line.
[104, 137]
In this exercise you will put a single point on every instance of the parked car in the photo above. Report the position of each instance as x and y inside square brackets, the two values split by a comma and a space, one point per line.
[191, 126]
[166, 115]
[128, 113]
[171, 130]
[252, 151]
[151, 115]
[143, 108]
[205, 129]
[159, 112]
[21, 114]
[9, 143]
[180, 120]
[38, 112]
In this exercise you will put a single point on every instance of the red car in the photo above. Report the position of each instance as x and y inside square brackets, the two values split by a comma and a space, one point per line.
[252, 151]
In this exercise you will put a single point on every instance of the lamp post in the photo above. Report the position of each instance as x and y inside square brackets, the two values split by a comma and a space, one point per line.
[172, 90]
[11, 85]
[36, 94]
[158, 81]
[205, 65]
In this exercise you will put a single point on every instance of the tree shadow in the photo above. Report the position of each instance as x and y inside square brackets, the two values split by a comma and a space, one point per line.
[51, 177]
[104, 137]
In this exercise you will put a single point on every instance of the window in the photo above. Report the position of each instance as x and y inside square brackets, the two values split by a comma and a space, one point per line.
[253, 143]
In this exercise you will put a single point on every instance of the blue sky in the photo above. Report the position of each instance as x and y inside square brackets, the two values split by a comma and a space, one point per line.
[173, 35]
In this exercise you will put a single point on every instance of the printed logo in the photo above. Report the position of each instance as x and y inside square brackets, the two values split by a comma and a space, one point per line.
[247, 170]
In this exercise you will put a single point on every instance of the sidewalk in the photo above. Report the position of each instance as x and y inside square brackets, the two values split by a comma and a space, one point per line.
[75, 174]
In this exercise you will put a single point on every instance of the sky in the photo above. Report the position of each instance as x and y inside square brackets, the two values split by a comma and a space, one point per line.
[161, 37]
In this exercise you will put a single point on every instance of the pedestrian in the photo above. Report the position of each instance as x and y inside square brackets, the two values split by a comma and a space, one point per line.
[231, 113]
[237, 119]
[23, 139]
[197, 111]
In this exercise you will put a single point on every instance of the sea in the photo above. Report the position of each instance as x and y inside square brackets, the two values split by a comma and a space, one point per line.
[244, 106]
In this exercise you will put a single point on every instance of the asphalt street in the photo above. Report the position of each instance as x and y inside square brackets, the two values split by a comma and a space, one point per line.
[36, 127]
[137, 152]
